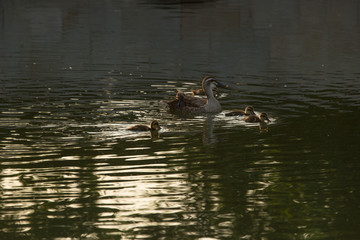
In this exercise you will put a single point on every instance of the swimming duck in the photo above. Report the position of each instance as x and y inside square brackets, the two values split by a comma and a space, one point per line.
[201, 92]
[253, 118]
[154, 126]
[189, 103]
[249, 110]
[198, 92]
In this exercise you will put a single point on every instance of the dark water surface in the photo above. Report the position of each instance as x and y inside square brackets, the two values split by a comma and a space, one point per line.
[75, 74]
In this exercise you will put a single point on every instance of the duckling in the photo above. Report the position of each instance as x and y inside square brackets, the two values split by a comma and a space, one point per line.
[249, 110]
[201, 92]
[154, 126]
[178, 103]
[253, 118]
[189, 103]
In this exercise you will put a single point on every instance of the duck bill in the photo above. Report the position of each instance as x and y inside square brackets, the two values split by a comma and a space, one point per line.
[220, 85]
[268, 119]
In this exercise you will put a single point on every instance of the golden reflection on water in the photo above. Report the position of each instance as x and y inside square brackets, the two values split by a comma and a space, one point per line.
[152, 190]
[134, 183]
[133, 192]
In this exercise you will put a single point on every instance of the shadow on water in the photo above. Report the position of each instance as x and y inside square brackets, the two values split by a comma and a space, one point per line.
[75, 76]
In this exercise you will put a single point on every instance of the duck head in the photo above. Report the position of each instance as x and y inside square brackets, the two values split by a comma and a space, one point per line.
[249, 110]
[211, 83]
[264, 117]
[154, 125]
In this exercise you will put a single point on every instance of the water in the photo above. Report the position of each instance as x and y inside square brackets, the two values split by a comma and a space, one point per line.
[75, 75]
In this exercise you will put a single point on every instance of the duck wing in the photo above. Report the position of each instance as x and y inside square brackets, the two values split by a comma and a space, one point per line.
[192, 101]
[187, 101]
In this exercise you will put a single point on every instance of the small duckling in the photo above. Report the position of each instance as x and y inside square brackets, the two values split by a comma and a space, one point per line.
[178, 103]
[198, 92]
[201, 92]
[253, 118]
[249, 110]
[154, 126]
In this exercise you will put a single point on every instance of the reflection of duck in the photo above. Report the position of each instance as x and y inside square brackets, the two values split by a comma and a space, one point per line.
[189, 103]
[154, 125]
[253, 118]
[249, 110]
[208, 136]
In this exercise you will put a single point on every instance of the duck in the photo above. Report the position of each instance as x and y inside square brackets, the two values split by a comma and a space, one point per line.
[154, 126]
[190, 104]
[201, 92]
[261, 118]
[249, 110]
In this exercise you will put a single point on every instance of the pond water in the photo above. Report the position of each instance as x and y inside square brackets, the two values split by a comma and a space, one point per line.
[75, 74]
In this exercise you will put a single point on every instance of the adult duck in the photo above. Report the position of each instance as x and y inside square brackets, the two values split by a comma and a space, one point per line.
[261, 118]
[186, 103]
[249, 110]
[154, 126]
